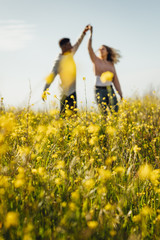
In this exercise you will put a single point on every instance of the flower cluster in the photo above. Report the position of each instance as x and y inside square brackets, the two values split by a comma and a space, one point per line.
[85, 176]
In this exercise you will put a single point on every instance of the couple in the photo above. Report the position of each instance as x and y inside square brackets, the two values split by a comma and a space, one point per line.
[104, 71]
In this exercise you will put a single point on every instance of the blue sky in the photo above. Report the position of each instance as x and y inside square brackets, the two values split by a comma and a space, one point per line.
[29, 34]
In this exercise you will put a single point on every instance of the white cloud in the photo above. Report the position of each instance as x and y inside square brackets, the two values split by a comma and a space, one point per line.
[15, 35]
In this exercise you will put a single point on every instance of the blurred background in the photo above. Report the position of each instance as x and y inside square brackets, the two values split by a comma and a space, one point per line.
[30, 31]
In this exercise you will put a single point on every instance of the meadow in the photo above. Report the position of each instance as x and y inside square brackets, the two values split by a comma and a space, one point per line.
[81, 177]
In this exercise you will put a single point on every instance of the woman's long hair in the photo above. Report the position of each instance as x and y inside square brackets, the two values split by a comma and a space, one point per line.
[113, 54]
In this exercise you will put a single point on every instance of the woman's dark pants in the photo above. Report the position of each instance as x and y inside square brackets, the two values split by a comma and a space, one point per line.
[105, 96]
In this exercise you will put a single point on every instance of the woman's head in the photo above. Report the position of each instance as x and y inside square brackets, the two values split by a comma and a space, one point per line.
[103, 52]
[108, 53]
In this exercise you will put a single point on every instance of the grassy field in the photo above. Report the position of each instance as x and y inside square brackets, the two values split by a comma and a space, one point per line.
[81, 177]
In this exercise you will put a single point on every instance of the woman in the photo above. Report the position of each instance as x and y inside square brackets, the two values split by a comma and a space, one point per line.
[105, 76]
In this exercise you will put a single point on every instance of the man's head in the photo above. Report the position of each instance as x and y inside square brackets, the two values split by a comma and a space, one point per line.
[65, 45]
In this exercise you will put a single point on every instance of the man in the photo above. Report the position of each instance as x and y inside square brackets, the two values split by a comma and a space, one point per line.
[66, 68]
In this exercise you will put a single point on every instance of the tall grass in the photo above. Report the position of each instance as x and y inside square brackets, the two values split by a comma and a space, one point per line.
[81, 177]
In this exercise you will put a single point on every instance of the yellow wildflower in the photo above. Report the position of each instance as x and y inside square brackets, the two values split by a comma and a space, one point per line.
[89, 183]
[12, 219]
[58, 181]
[68, 112]
[27, 236]
[7, 123]
[72, 206]
[104, 174]
[146, 211]
[55, 155]
[157, 190]
[109, 160]
[45, 93]
[72, 96]
[64, 204]
[119, 170]
[53, 112]
[154, 176]
[19, 183]
[4, 181]
[41, 171]
[136, 149]
[158, 218]
[136, 218]
[29, 227]
[93, 128]
[24, 151]
[102, 191]
[2, 191]
[60, 164]
[63, 174]
[92, 224]
[67, 70]
[1, 138]
[112, 233]
[108, 207]
[110, 130]
[75, 196]
[21, 172]
[107, 76]
[93, 140]
[3, 148]
[91, 160]
[145, 171]
[34, 171]
[39, 158]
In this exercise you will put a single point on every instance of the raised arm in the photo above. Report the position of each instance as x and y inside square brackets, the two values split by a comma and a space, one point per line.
[90, 49]
[77, 44]
[117, 85]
